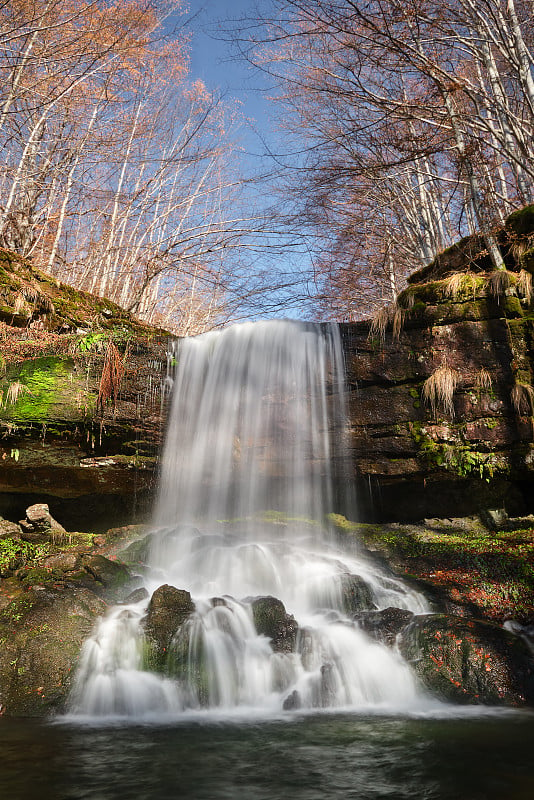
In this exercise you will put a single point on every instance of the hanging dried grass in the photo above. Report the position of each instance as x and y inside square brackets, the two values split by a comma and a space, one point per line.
[379, 323]
[460, 283]
[522, 396]
[20, 305]
[521, 246]
[14, 391]
[397, 322]
[33, 295]
[406, 299]
[438, 390]
[498, 282]
[524, 285]
[110, 380]
[483, 380]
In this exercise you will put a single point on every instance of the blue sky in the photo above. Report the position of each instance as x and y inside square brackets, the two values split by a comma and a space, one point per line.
[213, 61]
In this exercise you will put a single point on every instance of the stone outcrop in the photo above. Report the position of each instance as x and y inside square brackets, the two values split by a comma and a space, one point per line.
[92, 460]
[471, 662]
[51, 595]
[413, 462]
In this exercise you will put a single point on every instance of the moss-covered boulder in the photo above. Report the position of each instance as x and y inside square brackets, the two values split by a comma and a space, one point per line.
[521, 222]
[272, 620]
[111, 577]
[167, 611]
[466, 661]
[41, 634]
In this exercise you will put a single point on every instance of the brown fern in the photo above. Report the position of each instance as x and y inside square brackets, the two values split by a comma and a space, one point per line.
[110, 380]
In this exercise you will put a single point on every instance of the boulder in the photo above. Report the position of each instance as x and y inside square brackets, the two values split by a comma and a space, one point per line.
[42, 631]
[356, 594]
[272, 620]
[167, 611]
[467, 661]
[111, 577]
[39, 524]
[9, 530]
[292, 701]
[137, 595]
[385, 625]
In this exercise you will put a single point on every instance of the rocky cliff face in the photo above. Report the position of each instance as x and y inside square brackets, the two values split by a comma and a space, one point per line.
[415, 461]
[81, 401]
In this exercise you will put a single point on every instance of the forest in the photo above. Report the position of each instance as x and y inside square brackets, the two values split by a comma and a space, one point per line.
[123, 175]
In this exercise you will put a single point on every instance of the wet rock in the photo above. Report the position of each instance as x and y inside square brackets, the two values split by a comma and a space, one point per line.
[137, 551]
[467, 661]
[356, 594]
[42, 631]
[167, 611]
[385, 625]
[526, 632]
[292, 701]
[137, 595]
[111, 576]
[272, 620]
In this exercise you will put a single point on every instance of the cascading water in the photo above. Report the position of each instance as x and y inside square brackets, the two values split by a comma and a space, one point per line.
[256, 432]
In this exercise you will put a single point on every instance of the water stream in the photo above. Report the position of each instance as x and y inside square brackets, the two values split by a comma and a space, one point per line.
[255, 445]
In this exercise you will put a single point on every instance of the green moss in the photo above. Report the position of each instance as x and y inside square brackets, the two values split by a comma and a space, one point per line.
[526, 260]
[341, 523]
[521, 222]
[460, 458]
[48, 381]
[512, 306]
[14, 551]
[76, 539]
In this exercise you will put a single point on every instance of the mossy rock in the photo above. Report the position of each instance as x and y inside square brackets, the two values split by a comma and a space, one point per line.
[470, 662]
[272, 620]
[521, 222]
[384, 625]
[137, 552]
[112, 578]
[51, 388]
[167, 611]
[186, 662]
[356, 594]
[41, 635]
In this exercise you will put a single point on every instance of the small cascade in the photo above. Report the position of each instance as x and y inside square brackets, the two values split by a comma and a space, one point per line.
[254, 457]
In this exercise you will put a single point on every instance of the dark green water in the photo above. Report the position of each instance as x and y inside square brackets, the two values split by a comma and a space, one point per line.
[304, 758]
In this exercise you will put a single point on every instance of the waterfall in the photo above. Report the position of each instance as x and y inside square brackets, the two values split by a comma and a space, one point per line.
[255, 454]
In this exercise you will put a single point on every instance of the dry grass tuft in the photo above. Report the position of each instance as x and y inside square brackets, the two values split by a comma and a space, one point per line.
[380, 322]
[38, 299]
[14, 391]
[397, 322]
[521, 246]
[524, 285]
[522, 396]
[498, 282]
[406, 298]
[20, 306]
[460, 283]
[483, 380]
[438, 390]
[393, 315]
